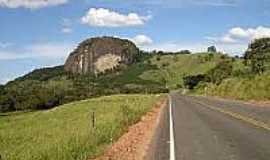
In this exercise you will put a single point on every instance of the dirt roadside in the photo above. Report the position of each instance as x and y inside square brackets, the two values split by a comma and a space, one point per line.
[134, 144]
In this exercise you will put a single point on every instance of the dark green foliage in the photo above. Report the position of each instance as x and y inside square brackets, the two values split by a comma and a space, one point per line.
[183, 52]
[212, 49]
[44, 74]
[258, 55]
[191, 81]
[165, 65]
[50, 87]
[2, 89]
[162, 53]
[221, 71]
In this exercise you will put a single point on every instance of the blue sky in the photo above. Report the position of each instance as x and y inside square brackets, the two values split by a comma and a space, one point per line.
[42, 33]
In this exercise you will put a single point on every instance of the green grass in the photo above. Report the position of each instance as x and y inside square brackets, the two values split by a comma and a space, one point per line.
[256, 88]
[66, 132]
[172, 68]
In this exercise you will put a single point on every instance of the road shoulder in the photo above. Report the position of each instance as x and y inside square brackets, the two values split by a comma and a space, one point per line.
[136, 144]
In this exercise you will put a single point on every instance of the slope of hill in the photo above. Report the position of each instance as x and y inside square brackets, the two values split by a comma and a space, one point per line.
[172, 68]
[242, 88]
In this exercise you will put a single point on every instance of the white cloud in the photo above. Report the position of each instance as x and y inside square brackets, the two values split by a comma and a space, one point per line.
[238, 32]
[142, 40]
[46, 50]
[31, 4]
[101, 17]
[240, 35]
[236, 40]
[67, 30]
[228, 39]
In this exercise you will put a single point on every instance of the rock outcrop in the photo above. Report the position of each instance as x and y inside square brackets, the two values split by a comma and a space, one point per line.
[97, 55]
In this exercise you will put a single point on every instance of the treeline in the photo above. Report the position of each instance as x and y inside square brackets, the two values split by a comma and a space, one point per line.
[255, 61]
[50, 87]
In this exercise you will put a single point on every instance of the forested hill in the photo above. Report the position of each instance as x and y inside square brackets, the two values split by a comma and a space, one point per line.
[156, 72]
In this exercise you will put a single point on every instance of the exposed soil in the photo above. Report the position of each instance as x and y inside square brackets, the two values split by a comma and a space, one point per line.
[134, 144]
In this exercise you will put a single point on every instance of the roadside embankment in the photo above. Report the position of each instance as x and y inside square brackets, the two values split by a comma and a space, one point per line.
[136, 143]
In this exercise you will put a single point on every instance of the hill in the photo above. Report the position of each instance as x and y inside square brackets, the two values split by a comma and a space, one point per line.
[214, 74]
[152, 73]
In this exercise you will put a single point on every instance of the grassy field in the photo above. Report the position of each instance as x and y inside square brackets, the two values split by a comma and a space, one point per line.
[66, 132]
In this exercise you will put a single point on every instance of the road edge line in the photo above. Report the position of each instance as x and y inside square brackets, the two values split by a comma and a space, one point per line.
[172, 143]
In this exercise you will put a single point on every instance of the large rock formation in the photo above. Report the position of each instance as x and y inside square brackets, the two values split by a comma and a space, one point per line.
[97, 55]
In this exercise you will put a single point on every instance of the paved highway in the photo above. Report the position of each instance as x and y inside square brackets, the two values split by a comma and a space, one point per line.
[211, 129]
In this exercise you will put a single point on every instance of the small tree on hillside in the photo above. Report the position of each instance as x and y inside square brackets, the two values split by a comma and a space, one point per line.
[221, 71]
[212, 49]
[258, 55]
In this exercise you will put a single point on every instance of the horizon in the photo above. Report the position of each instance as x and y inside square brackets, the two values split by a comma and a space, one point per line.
[42, 33]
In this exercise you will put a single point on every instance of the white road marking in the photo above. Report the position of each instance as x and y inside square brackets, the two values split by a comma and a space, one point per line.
[172, 143]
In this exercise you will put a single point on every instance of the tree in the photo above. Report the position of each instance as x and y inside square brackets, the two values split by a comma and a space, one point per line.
[258, 55]
[2, 89]
[183, 52]
[212, 49]
[221, 71]
[191, 81]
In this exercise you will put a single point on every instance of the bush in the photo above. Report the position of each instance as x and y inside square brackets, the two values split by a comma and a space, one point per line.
[191, 81]
[221, 71]
[256, 88]
[258, 55]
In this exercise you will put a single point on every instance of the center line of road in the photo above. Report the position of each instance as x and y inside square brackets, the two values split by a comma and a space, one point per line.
[172, 143]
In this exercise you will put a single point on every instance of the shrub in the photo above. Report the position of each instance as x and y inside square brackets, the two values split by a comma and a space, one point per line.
[221, 71]
[191, 81]
[258, 55]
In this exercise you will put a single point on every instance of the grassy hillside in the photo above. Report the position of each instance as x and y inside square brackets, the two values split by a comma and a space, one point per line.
[66, 132]
[172, 68]
[243, 88]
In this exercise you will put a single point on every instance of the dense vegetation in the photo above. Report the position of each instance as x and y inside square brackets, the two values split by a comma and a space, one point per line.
[67, 132]
[50, 87]
[245, 78]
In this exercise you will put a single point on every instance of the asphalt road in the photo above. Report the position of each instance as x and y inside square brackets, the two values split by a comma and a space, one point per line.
[203, 133]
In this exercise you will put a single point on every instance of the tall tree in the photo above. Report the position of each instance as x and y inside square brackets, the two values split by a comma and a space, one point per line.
[258, 55]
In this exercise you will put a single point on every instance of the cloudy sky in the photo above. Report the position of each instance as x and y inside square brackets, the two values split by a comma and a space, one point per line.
[40, 33]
